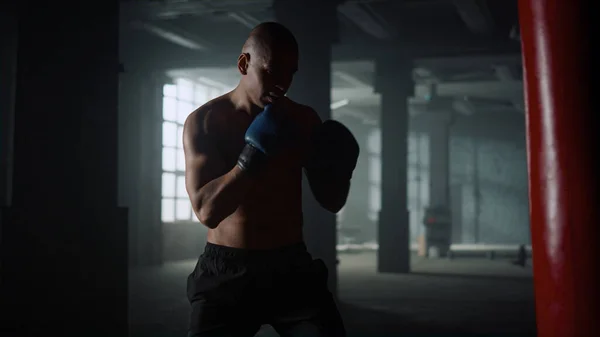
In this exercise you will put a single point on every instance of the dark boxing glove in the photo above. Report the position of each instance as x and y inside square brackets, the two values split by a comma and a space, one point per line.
[334, 151]
[264, 137]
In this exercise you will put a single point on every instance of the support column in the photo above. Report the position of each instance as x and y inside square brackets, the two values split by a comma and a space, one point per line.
[456, 204]
[393, 80]
[64, 241]
[562, 125]
[360, 189]
[140, 131]
[312, 86]
[439, 158]
[8, 69]
[476, 192]
[438, 217]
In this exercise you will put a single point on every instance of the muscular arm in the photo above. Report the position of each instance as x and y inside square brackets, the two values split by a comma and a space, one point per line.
[330, 190]
[215, 191]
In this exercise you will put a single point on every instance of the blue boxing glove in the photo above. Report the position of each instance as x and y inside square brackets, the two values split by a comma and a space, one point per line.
[334, 152]
[265, 136]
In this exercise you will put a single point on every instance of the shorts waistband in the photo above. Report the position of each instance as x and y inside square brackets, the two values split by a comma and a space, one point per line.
[214, 250]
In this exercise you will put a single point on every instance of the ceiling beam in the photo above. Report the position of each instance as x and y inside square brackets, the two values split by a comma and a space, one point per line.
[160, 10]
[350, 79]
[506, 74]
[173, 35]
[245, 19]
[365, 18]
[424, 46]
[471, 61]
[157, 10]
[224, 56]
[479, 89]
[365, 116]
[476, 16]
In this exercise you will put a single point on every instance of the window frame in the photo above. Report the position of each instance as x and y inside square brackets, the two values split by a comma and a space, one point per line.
[191, 99]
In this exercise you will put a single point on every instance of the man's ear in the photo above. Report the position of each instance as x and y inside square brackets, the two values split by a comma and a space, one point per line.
[243, 63]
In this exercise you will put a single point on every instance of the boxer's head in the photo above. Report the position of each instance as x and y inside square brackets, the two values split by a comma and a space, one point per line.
[268, 62]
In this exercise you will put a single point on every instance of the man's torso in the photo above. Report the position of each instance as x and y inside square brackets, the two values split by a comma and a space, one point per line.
[270, 215]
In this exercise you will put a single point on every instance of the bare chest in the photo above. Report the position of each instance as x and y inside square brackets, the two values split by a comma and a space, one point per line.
[284, 165]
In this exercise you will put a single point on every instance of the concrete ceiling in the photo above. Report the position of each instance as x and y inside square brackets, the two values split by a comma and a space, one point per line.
[353, 82]
[489, 79]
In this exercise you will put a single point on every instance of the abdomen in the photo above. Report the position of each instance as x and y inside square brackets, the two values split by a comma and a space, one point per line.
[269, 217]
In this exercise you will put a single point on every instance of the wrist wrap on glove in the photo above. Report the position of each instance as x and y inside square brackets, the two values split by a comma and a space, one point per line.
[251, 159]
[264, 137]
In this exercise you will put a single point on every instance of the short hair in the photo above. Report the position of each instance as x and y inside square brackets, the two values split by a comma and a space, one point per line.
[267, 36]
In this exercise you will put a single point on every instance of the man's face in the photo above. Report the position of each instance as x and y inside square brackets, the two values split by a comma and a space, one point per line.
[271, 76]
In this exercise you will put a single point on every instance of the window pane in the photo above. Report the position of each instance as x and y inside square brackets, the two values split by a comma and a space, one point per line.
[180, 160]
[170, 90]
[181, 192]
[373, 216]
[413, 149]
[180, 137]
[169, 159]
[375, 169]
[424, 186]
[201, 95]
[184, 109]
[415, 223]
[170, 109]
[169, 136]
[374, 142]
[168, 210]
[424, 150]
[168, 185]
[413, 194]
[374, 198]
[185, 90]
[184, 210]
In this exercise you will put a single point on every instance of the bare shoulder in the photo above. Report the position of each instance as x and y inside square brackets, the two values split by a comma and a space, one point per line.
[205, 122]
[304, 113]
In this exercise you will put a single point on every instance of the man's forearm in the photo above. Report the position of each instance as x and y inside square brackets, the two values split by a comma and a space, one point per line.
[220, 198]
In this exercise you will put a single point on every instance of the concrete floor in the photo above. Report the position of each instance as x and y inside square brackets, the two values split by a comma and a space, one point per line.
[439, 298]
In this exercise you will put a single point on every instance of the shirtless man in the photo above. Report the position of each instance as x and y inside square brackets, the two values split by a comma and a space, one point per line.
[245, 152]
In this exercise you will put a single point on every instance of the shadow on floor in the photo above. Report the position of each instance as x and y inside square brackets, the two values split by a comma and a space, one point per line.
[440, 299]
[474, 276]
[361, 321]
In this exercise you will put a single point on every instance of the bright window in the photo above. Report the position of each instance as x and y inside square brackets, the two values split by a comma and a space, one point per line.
[374, 155]
[179, 100]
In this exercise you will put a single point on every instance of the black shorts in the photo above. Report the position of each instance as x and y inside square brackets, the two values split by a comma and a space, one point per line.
[233, 292]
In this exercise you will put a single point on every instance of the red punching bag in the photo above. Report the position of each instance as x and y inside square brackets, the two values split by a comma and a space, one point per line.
[563, 183]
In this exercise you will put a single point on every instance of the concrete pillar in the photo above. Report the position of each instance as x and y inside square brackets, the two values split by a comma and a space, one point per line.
[476, 192]
[140, 165]
[439, 158]
[358, 212]
[64, 241]
[314, 23]
[456, 205]
[562, 127]
[8, 71]
[354, 220]
[438, 235]
[393, 80]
